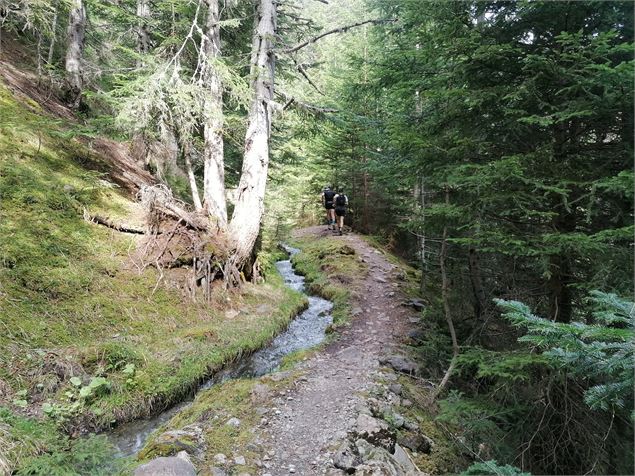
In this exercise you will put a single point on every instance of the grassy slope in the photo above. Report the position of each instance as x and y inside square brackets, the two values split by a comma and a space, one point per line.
[71, 304]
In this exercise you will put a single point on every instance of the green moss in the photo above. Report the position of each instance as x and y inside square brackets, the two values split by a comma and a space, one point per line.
[330, 268]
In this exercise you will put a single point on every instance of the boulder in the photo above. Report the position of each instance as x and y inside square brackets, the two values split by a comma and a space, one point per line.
[374, 431]
[346, 458]
[378, 461]
[189, 439]
[416, 442]
[395, 388]
[179, 465]
[415, 303]
[400, 364]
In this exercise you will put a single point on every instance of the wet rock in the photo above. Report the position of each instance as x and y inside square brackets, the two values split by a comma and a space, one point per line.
[189, 439]
[400, 364]
[416, 442]
[374, 431]
[235, 422]
[346, 458]
[395, 388]
[179, 465]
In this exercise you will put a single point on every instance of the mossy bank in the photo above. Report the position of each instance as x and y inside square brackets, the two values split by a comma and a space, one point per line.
[89, 338]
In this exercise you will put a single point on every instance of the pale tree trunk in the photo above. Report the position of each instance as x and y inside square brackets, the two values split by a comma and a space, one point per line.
[213, 162]
[75, 51]
[196, 199]
[49, 58]
[245, 223]
[445, 289]
[143, 36]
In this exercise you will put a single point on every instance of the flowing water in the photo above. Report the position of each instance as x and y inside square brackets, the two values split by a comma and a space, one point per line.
[305, 331]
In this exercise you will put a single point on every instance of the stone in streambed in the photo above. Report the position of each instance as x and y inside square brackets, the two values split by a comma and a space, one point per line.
[179, 465]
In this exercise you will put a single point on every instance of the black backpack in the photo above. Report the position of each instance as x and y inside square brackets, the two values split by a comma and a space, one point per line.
[341, 200]
[328, 195]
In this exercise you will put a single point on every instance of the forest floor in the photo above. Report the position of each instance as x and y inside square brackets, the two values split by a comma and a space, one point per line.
[314, 418]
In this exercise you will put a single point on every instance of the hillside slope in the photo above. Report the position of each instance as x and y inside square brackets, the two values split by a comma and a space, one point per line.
[89, 336]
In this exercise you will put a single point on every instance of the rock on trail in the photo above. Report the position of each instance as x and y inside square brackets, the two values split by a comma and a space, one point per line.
[324, 425]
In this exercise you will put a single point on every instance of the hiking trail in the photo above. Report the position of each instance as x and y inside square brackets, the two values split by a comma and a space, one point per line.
[302, 433]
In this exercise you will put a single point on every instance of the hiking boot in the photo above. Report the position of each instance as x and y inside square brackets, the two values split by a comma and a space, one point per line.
[341, 232]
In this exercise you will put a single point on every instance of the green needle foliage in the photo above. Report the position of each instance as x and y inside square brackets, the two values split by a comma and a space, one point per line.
[600, 352]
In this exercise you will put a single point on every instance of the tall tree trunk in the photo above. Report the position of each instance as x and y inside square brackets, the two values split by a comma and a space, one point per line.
[49, 58]
[480, 300]
[420, 196]
[445, 288]
[75, 51]
[245, 223]
[213, 161]
[143, 36]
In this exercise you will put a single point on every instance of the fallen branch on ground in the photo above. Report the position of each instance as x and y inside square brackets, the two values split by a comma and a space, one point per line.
[105, 221]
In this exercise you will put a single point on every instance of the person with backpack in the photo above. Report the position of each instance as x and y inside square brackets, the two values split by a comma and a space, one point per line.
[327, 200]
[340, 201]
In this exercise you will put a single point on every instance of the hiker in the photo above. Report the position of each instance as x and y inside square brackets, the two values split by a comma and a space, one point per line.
[327, 200]
[341, 202]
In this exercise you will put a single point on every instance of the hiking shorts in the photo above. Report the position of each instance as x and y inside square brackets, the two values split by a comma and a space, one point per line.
[340, 211]
[329, 205]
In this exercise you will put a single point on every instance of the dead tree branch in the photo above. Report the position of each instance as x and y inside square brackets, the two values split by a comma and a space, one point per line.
[341, 29]
[105, 221]
[306, 107]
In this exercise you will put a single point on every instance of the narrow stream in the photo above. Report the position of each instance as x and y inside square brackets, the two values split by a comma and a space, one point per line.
[305, 331]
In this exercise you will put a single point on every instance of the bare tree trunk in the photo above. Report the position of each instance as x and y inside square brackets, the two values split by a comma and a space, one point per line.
[49, 58]
[446, 306]
[143, 36]
[75, 51]
[196, 199]
[213, 150]
[245, 223]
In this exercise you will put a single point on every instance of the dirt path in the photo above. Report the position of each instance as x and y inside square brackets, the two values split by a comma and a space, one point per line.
[309, 420]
